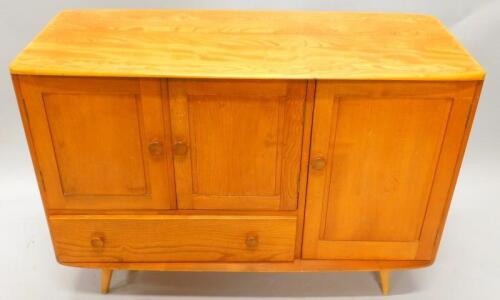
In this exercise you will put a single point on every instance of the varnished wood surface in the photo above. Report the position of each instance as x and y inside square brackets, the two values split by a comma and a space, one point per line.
[242, 140]
[390, 152]
[118, 194]
[385, 281]
[214, 238]
[438, 216]
[106, 276]
[246, 44]
[92, 138]
[297, 265]
[304, 164]
[343, 229]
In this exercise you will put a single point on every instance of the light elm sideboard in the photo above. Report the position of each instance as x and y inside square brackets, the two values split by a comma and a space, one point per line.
[246, 141]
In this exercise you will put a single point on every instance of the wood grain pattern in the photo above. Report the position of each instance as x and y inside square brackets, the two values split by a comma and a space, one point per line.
[91, 138]
[173, 238]
[298, 265]
[243, 141]
[304, 164]
[31, 145]
[87, 144]
[433, 229]
[247, 44]
[180, 212]
[390, 150]
[384, 150]
[214, 168]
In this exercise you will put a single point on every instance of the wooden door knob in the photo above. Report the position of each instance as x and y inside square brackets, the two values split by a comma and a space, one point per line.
[97, 242]
[180, 148]
[252, 241]
[318, 163]
[156, 148]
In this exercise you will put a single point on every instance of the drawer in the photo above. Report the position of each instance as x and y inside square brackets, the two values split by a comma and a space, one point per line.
[173, 238]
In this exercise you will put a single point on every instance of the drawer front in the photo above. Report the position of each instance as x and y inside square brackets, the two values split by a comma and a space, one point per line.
[173, 238]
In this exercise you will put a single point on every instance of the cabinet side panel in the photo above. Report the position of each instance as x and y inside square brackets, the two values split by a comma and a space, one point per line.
[27, 131]
[16, 80]
[436, 215]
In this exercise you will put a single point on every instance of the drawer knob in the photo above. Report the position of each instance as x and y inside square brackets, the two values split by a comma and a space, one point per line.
[155, 148]
[180, 148]
[252, 241]
[318, 163]
[97, 242]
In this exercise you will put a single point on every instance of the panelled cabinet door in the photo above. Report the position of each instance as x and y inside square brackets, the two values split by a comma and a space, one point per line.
[99, 143]
[383, 161]
[236, 143]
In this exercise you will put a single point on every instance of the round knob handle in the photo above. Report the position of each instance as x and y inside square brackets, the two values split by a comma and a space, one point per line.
[252, 241]
[156, 148]
[180, 148]
[318, 163]
[97, 242]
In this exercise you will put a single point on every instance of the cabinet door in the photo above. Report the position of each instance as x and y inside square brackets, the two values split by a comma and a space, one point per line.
[99, 143]
[236, 144]
[384, 159]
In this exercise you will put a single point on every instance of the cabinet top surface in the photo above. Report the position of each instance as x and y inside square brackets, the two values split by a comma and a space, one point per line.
[247, 44]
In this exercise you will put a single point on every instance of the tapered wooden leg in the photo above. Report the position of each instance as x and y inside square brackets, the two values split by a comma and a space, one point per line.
[105, 280]
[384, 277]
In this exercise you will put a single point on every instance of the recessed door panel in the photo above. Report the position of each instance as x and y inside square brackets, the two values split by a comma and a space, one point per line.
[97, 143]
[236, 144]
[382, 161]
[238, 135]
[383, 157]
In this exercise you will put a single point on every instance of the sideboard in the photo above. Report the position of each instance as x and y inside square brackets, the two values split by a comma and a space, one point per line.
[246, 141]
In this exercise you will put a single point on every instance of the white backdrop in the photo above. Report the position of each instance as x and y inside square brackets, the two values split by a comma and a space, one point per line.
[468, 265]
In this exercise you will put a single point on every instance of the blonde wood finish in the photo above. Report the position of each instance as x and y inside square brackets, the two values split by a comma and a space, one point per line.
[304, 164]
[390, 151]
[385, 280]
[298, 265]
[240, 140]
[92, 139]
[247, 44]
[180, 212]
[173, 238]
[437, 217]
[29, 138]
[214, 168]
[105, 280]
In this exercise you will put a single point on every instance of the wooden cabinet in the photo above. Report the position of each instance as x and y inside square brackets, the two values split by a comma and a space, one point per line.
[246, 141]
